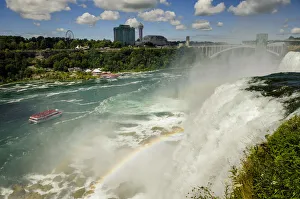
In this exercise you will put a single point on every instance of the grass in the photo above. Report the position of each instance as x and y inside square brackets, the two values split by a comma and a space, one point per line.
[269, 170]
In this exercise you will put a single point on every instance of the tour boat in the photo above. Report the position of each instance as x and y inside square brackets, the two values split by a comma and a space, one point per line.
[44, 116]
[110, 76]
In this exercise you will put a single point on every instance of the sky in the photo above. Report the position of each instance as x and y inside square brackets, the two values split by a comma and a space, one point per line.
[203, 20]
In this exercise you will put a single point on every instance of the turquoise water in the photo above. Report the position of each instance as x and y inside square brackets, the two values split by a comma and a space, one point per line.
[122, 112]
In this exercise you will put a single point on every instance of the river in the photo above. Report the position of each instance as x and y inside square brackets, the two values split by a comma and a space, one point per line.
[124, 138]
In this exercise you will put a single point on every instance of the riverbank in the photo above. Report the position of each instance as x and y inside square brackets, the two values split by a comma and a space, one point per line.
[53, 75]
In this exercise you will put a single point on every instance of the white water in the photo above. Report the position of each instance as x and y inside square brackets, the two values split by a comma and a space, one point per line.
[216, 136]
[290, 63]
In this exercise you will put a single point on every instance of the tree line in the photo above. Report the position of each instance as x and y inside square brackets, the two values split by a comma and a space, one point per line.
[19, 65]
[42, 43]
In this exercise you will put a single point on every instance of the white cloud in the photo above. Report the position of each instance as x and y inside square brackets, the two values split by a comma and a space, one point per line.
[181, 27]
[295, 31]
[175, 22]
[281, 31]
[250, 7]
[164, 2]
[133, 22]
[205, 7]
[36, 23]
[83, 5]
[157, 15]
[60, 30]
[202, 25]
[126, 5]
[110, 15]
[88, 19]
[220, 24]
[38, 9]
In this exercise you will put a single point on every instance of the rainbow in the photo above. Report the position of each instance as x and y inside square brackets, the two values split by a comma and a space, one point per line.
[131, 156]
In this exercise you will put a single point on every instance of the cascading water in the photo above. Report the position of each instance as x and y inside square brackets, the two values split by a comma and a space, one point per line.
[290, 63]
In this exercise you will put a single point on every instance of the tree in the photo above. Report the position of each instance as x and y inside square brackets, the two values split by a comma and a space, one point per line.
[74, 43]
[149, 44]
[117, 44]
[60, 45]
[43, 44]
[30, 46]
[62, 65]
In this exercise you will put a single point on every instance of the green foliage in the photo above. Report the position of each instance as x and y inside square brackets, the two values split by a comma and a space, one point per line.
[276, 163]
[14, 63]
[60, 45]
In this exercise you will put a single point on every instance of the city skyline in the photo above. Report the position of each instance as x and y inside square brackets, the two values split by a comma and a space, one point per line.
[202, 20]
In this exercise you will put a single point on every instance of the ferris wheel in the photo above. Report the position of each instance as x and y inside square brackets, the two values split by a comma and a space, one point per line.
[69, 35]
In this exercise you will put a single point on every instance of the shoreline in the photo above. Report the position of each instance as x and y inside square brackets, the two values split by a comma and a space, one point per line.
[83, 76]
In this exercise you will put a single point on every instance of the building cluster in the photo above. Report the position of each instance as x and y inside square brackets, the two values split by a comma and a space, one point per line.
[126, 35]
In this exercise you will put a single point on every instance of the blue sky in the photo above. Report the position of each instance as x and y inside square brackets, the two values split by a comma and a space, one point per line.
[215, 20]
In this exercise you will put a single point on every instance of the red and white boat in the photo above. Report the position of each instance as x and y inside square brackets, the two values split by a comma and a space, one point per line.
[107, 75]
[44, 116]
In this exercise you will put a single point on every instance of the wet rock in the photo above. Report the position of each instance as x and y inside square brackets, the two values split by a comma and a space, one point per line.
[33, 195]
[61, 184]
[148, 140]
[49, 196]
[57, 179]
[63, 194]
[43, 188]
[79, 193]
[177, 129]
[71, 177]
[128, 134]
[69, 170]
[90, 192]
[80, 182]
[159, 129]
[18, 192]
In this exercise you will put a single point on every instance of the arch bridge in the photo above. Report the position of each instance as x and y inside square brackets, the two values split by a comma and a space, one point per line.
[213, 51]
[261, 45]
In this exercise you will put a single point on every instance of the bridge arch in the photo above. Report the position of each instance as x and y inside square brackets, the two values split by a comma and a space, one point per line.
[241, 47]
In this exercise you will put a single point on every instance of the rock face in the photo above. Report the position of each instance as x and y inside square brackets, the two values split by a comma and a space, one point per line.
[44, 188]
[20, 193]
[79, 193]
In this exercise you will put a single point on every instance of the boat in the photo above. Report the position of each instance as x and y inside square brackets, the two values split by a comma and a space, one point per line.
[44, 116]
[110, 76]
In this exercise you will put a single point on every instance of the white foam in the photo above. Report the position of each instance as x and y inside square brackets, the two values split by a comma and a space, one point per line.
[290, 63]
[216, 136]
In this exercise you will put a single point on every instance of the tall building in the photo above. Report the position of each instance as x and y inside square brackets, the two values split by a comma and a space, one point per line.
[141, 27]
[187, 41]
[125, 34]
